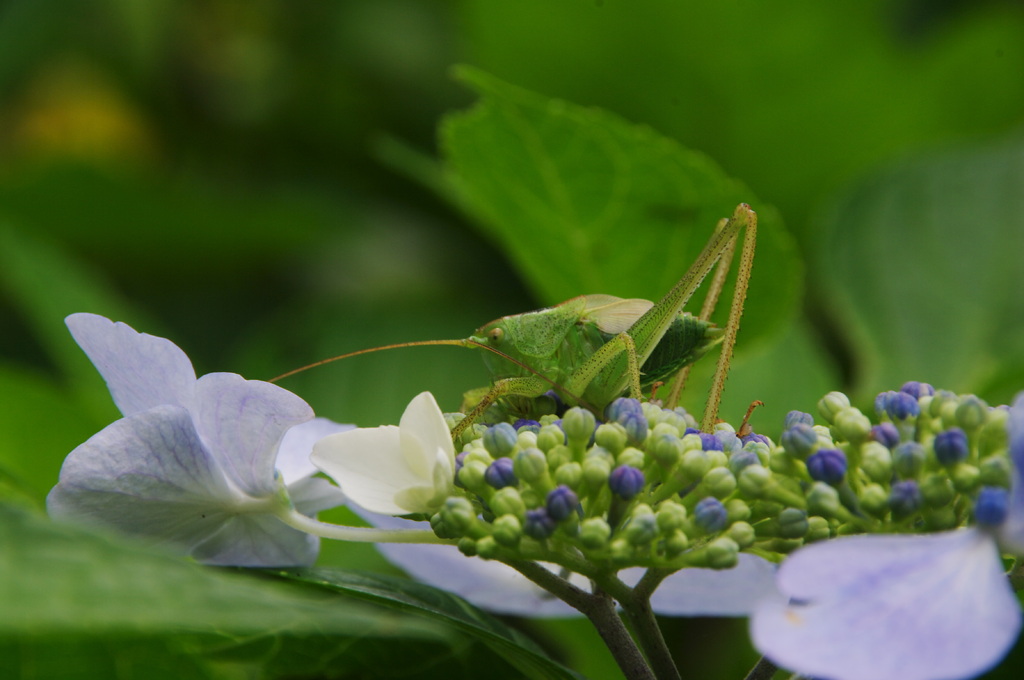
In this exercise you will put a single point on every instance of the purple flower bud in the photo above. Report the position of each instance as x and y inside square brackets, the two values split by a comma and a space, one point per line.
[539, 524]
[754, 437]
[635, 425]
[827, 465]
[991, 506]
[710, 442]
[917, 389]
[500, 439]
[908, 459]
[904, 498]
[460, 460]
[882, 402]
[794, 417]
[886, 434]
[799, 440]
[621, 407]
[524, 424]
[710, 515]
[741, 459]
[500, 474]
[626, 481]
[950, 446]
[561, 502]
[901, 406]
[558, 406]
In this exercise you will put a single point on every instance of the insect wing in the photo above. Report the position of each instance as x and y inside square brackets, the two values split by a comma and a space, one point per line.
[614, 315]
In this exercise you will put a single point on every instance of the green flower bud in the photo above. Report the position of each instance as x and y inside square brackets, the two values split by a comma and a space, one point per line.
[992, 436]
[676, 544]
[530, 465]
[479, 454]
[631, 457]
[737, 510]
[662, 428]
[717, 458]
[507, 501]
[671, 516]
[642, 527]
[742, 533]
[458, 514]
[941, 519]
[965, 477]
[621, 550]
[508, 530]
[666, 449]
[559, 455]
[594, 533]
[722, 553]
[500, 440]
[876, 461]
[439, 528]
[596, 471]
[754, 480]
[526, 439]
[823, 499]
[694, 465]
[874, 499]
[939, 402]
[852, 425]
[970, 413]
[467, 546]
[995, 471]
[793, 523]
[578, 424]
[487, 547]
[720, 482]
[611, 436]
[831, 404]
[817, 529]
[472, 476]
[570, 474]
[937, 491]
[549, 437]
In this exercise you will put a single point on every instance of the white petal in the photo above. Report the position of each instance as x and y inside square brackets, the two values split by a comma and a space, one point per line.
[368, 465]
[940, 608]
[313, 494]
[717, 592]
[426, 439]
[293, 455]
[242, 423]
[141, 370]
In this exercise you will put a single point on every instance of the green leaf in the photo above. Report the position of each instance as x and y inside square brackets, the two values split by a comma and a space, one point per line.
[585, 202]
[923, 267]
[439, 605]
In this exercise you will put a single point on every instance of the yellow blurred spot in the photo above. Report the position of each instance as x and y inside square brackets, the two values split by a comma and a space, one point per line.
[794, 618]
[73, 110]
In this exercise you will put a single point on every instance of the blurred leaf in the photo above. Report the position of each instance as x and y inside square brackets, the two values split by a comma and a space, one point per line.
[39, 425]
[925, 261]
[443, 606]
[585, 202]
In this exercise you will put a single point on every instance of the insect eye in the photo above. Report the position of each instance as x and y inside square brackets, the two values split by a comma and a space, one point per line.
[496, 335]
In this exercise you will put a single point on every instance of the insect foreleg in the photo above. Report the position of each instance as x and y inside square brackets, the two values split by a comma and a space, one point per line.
[601, 359]
[529, 386]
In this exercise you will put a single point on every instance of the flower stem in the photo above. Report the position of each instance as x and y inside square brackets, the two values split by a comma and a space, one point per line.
[297, 520]
[645, 627]
[599, 607]
[762, 670]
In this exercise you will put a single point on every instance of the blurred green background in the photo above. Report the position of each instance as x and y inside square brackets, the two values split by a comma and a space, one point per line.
[261, 181]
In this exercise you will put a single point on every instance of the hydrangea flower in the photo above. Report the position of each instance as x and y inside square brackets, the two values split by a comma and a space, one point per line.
[204, 465]
[914, 607]
[394, 470]
[498, 588]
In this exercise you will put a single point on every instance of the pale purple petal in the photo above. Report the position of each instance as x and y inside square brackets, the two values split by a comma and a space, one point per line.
[717, 592]
[938, 608]
[1012, 531]
[257, 540]
[242, 423]
[313, 494]
[148, 475]
[293, 455]
[141, 370]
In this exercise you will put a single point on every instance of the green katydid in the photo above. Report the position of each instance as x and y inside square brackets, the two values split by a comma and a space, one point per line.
[595, 348]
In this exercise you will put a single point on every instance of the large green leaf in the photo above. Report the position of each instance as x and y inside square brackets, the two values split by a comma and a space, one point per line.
[923, 263]
[585, 202]
[404, 594]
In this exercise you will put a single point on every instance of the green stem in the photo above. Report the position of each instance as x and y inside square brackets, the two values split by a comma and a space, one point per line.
[599, 607]
[297, 520]
[762, 670]
[645, 626]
